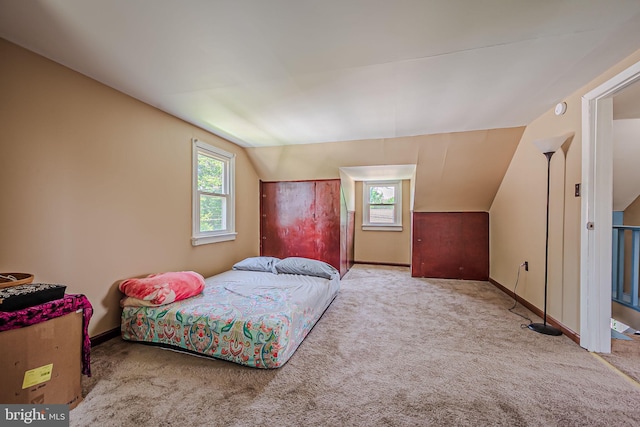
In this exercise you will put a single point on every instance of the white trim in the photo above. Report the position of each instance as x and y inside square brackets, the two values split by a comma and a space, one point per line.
[197, 241]
[597, 196]
[397, 203]
[198, 238]
[382, 227]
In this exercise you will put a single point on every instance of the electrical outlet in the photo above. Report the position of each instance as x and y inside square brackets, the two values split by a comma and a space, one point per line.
[526, 266]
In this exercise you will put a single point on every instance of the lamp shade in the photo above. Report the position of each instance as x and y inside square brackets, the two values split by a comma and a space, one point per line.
[552, 144]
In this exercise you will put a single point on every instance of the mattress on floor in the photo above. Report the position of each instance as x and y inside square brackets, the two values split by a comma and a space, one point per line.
[252, 318]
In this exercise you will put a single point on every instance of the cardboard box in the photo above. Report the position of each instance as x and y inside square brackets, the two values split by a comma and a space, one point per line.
[42, 363]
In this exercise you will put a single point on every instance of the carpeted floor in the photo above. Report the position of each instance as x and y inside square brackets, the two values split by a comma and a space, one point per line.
[390, 351]
[625, 356]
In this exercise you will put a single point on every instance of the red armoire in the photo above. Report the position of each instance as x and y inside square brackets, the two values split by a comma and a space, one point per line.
[450, 245]
[306, 219]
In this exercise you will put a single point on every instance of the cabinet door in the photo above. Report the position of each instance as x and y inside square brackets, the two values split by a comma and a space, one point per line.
[475, 247]
[450, 245]
[287, 224]
[303, 218]
[327, 222]
[436, 245]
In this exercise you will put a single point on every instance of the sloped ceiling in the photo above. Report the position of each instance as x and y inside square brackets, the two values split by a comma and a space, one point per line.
[279, 72]
[453, 172]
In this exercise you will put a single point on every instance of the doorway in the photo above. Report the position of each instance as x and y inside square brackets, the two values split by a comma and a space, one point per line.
[596, 217]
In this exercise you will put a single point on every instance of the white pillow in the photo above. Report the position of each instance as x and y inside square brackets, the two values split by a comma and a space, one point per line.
[257, 263]
[306, 266]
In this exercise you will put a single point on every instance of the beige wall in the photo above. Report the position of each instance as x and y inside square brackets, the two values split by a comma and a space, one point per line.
[517, 216]
[454, 172]
[632, 213]
[96, 186]
[392, 247]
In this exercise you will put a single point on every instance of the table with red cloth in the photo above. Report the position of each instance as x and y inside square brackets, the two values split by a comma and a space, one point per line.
[70, 303]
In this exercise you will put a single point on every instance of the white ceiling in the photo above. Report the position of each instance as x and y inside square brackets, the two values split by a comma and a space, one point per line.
[278, 72]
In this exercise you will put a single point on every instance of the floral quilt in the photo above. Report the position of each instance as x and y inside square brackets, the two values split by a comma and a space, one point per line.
[256, 319]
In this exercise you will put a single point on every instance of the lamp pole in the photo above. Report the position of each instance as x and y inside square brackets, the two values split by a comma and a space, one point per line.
[543, 328]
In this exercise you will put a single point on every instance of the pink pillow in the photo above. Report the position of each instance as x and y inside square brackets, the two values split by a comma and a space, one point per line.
[163, 288]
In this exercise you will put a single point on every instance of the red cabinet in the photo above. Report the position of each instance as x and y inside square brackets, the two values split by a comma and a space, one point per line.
[450, 245]
[306, 219]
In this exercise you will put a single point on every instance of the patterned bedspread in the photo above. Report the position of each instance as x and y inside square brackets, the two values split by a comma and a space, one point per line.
[252, 318]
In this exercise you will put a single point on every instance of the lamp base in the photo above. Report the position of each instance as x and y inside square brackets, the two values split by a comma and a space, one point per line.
[543, 328]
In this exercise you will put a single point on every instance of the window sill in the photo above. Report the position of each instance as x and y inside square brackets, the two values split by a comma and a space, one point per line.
[381, 228]
[205, 240]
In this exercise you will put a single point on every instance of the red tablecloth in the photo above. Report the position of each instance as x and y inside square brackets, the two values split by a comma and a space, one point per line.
[50, 310]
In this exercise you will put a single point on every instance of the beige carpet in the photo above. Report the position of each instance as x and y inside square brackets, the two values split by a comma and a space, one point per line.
[625, 355]
[390, 351]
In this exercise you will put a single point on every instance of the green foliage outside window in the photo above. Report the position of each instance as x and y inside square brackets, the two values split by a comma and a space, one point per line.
[377, 197]
[213, 202]
[210, 174]
[381, 208]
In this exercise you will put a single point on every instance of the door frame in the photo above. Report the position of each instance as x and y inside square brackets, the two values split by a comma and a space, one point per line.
[597, 208]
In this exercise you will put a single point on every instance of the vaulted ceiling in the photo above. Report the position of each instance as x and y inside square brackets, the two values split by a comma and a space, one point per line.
[279, 72]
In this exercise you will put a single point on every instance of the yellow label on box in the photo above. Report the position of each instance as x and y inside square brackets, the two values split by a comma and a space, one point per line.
[37, 376]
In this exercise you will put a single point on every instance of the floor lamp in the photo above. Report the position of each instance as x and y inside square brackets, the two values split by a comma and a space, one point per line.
[548, 146]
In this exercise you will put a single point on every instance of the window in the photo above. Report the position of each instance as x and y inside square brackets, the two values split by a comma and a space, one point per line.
[382, 205]
[213, 194]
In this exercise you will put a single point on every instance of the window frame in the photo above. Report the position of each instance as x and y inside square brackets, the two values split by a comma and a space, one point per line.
[367, 225]
[228, 192]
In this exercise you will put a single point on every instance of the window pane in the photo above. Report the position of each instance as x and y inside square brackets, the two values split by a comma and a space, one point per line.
[381, 194]
[382, 214]
[212, 213]
[210, 174]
